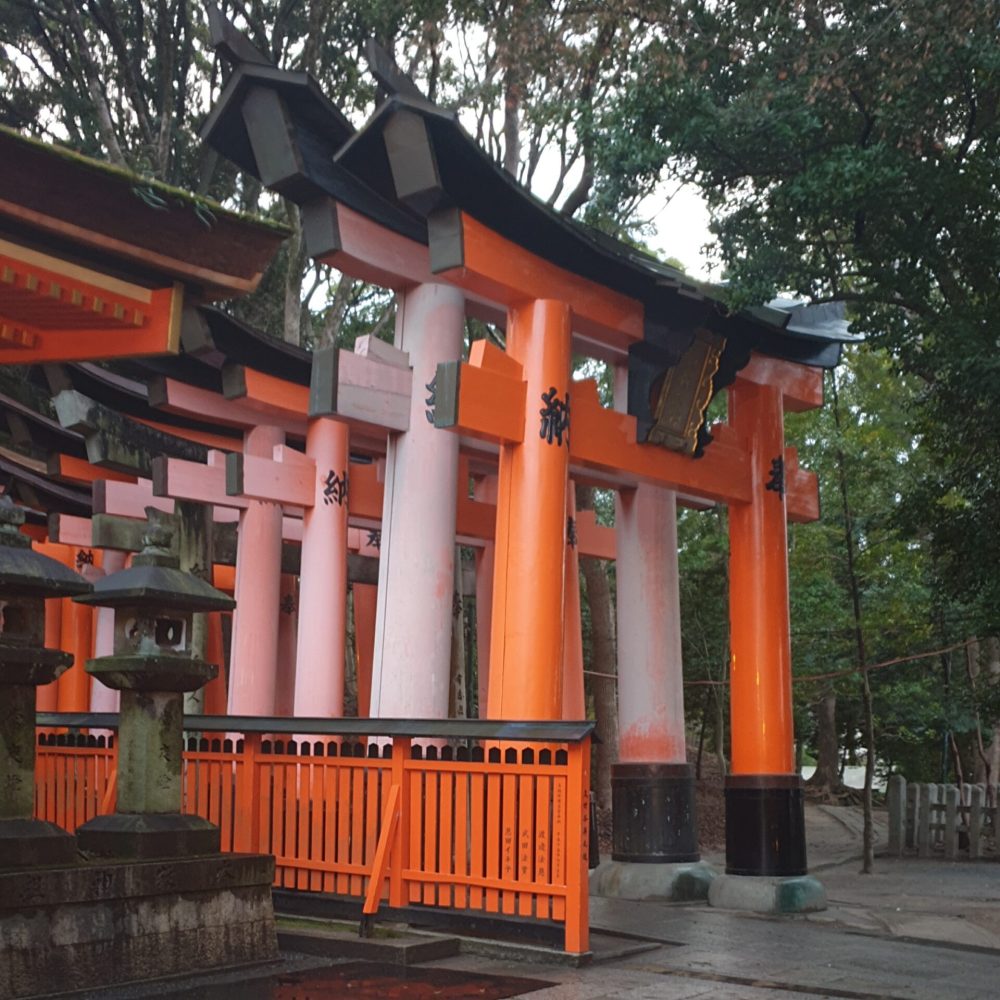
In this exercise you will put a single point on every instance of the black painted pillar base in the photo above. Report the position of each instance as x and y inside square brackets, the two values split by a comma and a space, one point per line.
[765, 825]
[653, 814]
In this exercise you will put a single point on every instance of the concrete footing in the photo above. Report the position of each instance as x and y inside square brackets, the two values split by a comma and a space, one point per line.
[676, 882]
[768, 894]
[97, 925]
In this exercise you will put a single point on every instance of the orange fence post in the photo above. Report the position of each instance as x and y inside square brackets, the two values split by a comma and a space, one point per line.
[246, 836]
[578, 848]
[400, 858]
[390, 821]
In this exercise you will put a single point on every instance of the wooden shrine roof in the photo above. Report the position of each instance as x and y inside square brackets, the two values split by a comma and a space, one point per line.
[412, 165]
[125, 225]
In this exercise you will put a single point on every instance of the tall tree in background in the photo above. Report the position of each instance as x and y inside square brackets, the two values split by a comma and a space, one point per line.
[849, 150]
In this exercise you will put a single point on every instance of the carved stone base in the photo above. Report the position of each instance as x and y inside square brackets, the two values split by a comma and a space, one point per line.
[26, 842]
[144, 835]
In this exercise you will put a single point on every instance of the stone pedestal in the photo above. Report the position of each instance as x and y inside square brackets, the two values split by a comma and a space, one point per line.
[680, 883]
[762, 894]
[147, 822]
[23, 839]
[98, 925]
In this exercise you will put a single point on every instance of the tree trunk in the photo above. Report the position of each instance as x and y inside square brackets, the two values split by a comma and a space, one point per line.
[859, 642]
[827, 775]
[292, 332]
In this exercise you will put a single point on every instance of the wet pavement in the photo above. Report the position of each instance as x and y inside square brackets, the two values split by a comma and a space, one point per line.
[363, 981]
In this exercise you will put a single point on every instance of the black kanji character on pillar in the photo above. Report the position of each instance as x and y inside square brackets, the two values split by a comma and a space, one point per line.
[335, 488]
[287, 604]
[777, 480]
[571, 531]
[431, 401]
[84, 558]
[375, 538]
[555, 417]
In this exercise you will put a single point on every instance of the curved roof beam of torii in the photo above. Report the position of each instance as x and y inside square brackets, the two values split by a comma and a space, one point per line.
[413, 161]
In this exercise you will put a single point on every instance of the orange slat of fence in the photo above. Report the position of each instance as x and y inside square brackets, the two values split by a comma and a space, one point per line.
[343, 822]
[477, 837]
[461, 799]
[358, 784]
[317, 769]
[376, 799]
[543, 790]
[446, 801]
[290, 774]
[415, 821]
[508, 867]
[429, 833]
[303, 820]
[246, 795]
[328, 852]
[525, 838]
[493, 841]
[559, 844]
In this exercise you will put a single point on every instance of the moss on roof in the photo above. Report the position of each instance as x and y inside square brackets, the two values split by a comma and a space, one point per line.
[131, 179]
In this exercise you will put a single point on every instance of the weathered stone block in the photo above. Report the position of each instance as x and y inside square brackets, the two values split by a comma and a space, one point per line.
[101, 924]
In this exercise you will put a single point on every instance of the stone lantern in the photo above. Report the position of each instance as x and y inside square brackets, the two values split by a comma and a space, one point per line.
[153, 666]
[26, 579]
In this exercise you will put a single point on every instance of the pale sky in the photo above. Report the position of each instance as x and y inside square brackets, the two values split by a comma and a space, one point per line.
[680, 219]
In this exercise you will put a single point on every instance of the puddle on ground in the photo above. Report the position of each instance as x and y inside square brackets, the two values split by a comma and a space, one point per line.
[367, 981]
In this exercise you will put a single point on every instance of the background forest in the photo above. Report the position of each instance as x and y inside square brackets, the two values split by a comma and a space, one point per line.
[847, 151]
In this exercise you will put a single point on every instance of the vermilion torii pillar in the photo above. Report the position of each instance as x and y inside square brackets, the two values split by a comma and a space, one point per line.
[765, 829]
[526, 644]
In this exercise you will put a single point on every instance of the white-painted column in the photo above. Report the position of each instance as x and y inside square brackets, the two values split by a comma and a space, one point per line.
[258, 594]
[650, 675]
[410, 672]
[319, 679]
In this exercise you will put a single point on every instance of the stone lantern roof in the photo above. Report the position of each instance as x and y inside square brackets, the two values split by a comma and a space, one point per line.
[26, 572]
[155, 581]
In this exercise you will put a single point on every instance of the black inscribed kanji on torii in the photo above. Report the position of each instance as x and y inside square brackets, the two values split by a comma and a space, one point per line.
[555, 417]
[777, 481]
[335, 488]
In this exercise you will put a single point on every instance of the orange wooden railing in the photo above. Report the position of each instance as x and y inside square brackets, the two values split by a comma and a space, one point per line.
[490, 818]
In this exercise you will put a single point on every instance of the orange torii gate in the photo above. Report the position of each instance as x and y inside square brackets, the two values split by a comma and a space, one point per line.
[410, 199]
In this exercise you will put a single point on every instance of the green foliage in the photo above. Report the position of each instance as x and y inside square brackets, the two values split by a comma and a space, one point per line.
[849, 151]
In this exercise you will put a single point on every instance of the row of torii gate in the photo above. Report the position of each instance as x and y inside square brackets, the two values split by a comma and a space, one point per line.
[402, 451]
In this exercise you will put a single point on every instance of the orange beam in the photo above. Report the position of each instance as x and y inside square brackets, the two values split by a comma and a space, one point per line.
[499, 270]
[52, 310]
[801, 387]
[207, 438]
[191, 401]
[372, 394]
[78, 470]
